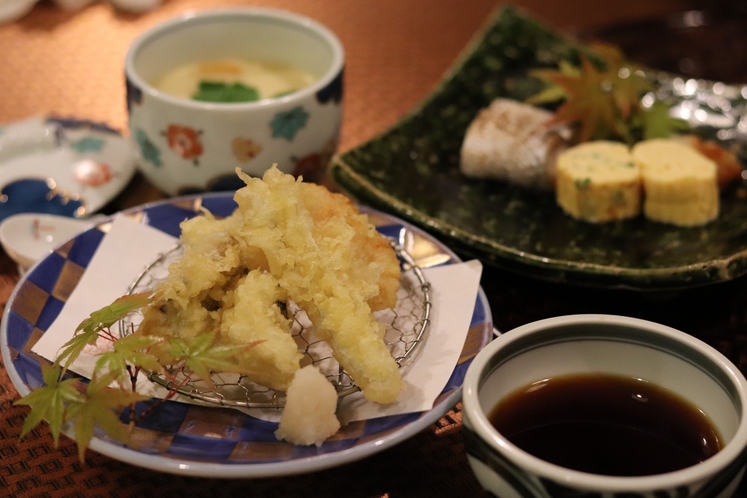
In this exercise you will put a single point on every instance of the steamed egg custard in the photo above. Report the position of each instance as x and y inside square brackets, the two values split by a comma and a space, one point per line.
[233, 80]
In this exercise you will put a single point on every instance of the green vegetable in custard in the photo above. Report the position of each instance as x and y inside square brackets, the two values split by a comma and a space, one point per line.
[216, 91]
[583, 183]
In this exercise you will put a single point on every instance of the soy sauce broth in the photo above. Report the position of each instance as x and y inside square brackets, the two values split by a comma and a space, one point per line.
[606, 424]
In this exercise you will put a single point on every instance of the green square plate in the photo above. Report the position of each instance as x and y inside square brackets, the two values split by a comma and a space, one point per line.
[412, 170]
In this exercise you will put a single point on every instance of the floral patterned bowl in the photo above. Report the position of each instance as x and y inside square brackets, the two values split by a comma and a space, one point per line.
[191, 146]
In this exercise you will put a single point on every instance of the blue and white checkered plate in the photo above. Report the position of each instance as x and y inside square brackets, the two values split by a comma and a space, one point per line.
[206, 441]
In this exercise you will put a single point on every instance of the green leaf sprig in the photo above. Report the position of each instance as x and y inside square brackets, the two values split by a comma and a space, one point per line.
[67, 399]
[603, 101]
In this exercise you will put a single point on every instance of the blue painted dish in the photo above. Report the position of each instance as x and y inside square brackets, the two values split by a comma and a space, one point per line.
[209, 441]
[67, 167]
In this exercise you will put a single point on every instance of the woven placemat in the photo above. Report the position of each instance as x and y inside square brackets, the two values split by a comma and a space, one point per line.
[71, 65]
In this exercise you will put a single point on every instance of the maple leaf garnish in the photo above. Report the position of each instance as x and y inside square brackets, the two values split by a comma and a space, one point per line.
[99, 406]
[99, 402]
[49, 401]
[129, 350]
[72, 348]
[626, 79]
[100, 320]
[202, 355]
[657, 123]
[588, 100]
[602, 101]
[111, 314]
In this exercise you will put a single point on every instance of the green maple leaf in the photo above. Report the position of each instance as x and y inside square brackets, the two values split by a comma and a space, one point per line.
[657, 123]
[132, 350]
[87, 332]
[554, 93]
[49, 401]
[111, 314]
[72, 348]
[627, 80]
[628, 87]
[603, 101]
[99, 407]
[202, 356]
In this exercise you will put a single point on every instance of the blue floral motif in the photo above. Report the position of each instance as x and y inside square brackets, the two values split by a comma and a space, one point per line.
[31, 195]
[87, 144]
[134, 94]
[331, 92]
[287, 124]
[81, 124]
[148, 150]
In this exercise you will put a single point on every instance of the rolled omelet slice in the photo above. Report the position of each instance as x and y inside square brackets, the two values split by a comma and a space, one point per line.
[680, 184]
[598, 182]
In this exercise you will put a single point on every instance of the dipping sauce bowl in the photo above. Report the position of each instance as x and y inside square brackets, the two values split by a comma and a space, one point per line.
[574, 345]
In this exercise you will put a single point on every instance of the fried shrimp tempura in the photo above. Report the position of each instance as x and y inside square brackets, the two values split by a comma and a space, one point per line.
[252, 314]
[333, 264]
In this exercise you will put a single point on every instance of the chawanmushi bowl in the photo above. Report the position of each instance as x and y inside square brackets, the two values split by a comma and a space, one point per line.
[188, 146]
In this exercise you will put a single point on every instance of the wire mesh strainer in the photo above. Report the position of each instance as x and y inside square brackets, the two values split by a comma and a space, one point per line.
[406, 326]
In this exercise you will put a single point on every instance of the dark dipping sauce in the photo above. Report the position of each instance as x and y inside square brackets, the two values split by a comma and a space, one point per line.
[607, 425]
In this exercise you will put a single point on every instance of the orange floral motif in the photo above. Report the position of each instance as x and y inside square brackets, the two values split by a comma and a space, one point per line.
[245, 149]
[312, 166]
[92, 174]
[184, 141]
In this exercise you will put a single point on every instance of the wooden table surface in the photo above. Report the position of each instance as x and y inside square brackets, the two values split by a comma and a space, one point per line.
[70, 64]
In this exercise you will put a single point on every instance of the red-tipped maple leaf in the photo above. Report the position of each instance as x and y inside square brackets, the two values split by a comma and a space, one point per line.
[605, 101]
[589, 101]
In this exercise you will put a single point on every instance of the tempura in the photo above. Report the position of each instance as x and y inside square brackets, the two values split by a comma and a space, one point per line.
[332, 263]
[288, 240]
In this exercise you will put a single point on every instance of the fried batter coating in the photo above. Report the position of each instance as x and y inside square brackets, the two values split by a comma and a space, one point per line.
[286, 240]
[333, 264]
[371, 252]
[207, 291]
[186, 303]
[251, 313]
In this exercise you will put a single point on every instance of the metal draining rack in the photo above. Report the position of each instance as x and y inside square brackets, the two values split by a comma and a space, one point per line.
[406, 327]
